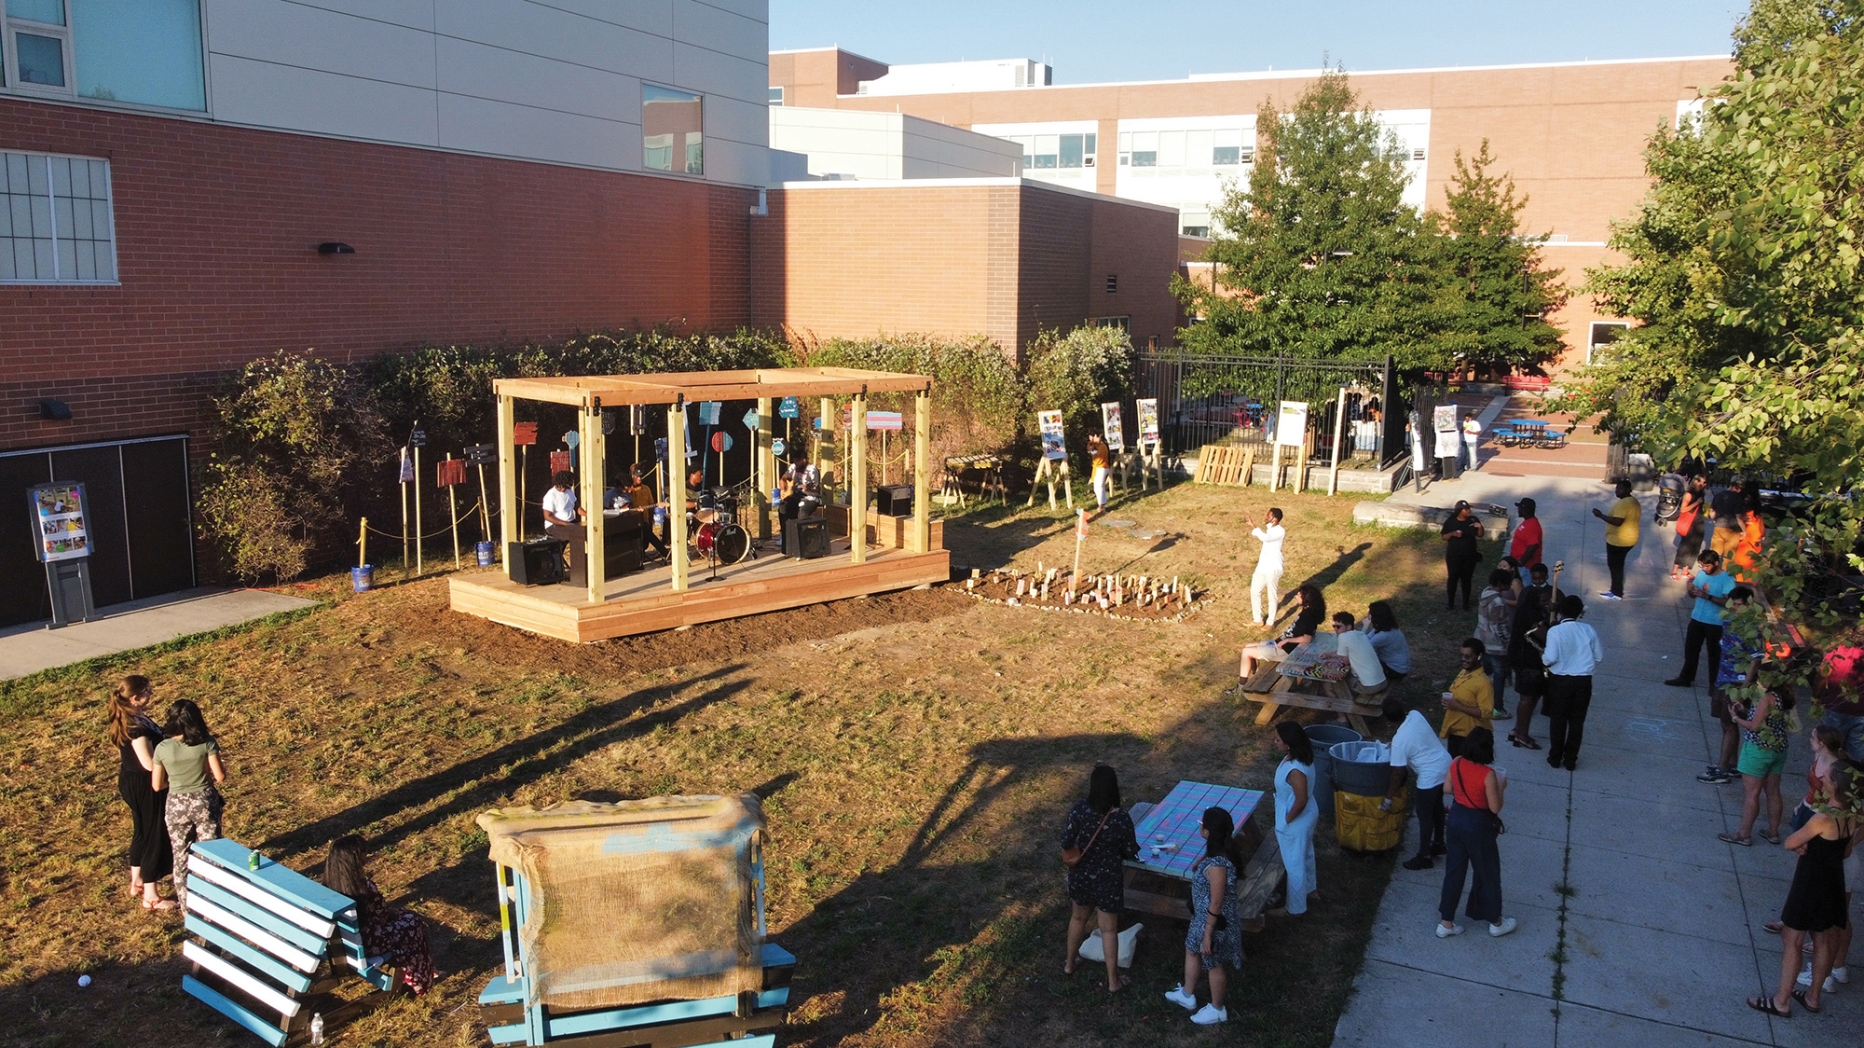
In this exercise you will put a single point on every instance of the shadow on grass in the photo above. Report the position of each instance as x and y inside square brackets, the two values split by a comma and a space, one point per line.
[493, 777]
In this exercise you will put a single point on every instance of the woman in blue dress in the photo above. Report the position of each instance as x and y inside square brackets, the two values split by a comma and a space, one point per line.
[1215, 941]
[1295, 815]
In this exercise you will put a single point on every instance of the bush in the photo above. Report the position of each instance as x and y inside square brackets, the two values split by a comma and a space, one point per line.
[1077, 372]
[977, 396]
[292, 432]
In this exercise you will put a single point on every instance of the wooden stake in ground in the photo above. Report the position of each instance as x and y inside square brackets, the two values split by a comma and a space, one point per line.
[419, 568]
[362, 544]
[1339, 430]
[407, 475]
[1080, 537]
[453, 503]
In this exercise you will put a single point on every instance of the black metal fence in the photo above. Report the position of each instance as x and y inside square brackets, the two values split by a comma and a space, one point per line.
[1205, 399]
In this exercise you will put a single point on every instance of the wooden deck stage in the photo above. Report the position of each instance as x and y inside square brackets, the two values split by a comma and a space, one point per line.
[645, 602]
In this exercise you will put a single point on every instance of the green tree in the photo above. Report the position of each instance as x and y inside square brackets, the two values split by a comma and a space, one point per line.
[1493, 294]
[1743, 270]
[1319, 256]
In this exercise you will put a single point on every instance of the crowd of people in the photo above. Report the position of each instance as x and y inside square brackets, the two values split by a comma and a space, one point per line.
[169, 775]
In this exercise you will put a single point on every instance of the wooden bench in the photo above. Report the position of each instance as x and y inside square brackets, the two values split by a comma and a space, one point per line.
[1274, 689]
[270, 942]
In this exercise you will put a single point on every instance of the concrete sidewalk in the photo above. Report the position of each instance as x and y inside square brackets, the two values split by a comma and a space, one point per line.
[1637, 926]
[30, 648]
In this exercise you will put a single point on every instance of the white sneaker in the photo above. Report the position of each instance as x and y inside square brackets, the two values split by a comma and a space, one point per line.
[1842, 974]
[1805, 979]
[1445, 933]
[1182, 999]
[1211, 1016]
[1499, 930]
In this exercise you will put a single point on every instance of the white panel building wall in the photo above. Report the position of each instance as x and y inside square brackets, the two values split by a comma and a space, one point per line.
[856, 144]
[557, 81]
[1060, 152]
[941, 77]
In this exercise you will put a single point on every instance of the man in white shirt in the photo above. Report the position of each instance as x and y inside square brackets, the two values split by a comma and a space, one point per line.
[1368, 674]
[1417, 747]
[1268, 567]
[1572, 653]
[560, 509]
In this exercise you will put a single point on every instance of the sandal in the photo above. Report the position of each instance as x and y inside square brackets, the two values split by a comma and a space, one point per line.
[160, 904]
[1125, 981]
[1729, 838]
[1766, 1006]
[1800, 996]
[1770, 838]
[1526, 742]
[1773, 927]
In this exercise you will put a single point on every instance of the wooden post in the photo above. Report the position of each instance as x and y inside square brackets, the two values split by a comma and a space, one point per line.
[524, 478]
[453, 503]
[828, 429]
[1339, 431]
[485, 513]
[766, 469]
[419, 567]
[922, 473]
[676, 492]
[857, 481]
[402, 488]
[1275, 467]
[594, 471]
[508, 524]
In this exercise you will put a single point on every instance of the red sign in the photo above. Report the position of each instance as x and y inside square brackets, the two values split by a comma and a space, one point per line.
[559, 462]
[524, 433]
[448, 472]
[721, 442]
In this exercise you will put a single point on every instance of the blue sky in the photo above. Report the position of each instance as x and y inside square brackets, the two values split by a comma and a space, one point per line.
[1091, 41]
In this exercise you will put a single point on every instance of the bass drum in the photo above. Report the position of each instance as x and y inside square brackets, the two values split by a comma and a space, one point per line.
[722, 541]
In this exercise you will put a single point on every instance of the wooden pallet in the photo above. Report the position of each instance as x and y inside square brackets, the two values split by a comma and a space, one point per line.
[1231, 464]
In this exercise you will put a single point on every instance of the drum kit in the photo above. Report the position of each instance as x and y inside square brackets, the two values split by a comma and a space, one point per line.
[717, 535]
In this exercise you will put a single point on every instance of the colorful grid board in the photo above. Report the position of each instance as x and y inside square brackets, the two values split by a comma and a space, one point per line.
[1174, 823]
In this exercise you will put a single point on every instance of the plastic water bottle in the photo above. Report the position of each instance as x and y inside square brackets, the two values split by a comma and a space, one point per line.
[317, 1028]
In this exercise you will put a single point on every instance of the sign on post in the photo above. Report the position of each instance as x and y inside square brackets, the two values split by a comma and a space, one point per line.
[1291, 424]
[1148, 421]
[1449, 434]
[1054, 447]
[789, 408]
[58, 522]
[708, 412]
[1114, 426]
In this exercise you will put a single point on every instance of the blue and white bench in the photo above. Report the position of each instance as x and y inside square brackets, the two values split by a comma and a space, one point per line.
[268, 941]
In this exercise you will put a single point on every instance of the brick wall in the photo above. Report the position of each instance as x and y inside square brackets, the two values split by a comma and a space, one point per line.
[1005, 260]
[216, 231]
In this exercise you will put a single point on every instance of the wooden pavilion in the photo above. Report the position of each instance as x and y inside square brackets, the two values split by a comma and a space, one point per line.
[666, 597]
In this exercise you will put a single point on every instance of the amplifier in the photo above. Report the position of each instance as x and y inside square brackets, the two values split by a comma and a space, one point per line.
[895, 500]
[538, 562]
[805, 538]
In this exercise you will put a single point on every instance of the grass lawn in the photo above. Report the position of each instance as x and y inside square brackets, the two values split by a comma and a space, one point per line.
[918, 752]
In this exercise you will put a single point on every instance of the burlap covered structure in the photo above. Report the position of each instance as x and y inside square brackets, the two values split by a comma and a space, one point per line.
[635, 901]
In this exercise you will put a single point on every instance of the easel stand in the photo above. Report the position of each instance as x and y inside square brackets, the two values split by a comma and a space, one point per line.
[1050, 471]
[1151, 465]
[1300, 469]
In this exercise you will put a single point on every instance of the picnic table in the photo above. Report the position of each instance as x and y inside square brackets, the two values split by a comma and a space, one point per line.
[1308, 678]
[1159, 880]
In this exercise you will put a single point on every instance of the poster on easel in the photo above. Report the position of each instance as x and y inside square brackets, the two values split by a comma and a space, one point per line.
[1449, 434]
[1148, 422]
[1114, 426]
[59, 528]
[1291, 424]
[1053, 446]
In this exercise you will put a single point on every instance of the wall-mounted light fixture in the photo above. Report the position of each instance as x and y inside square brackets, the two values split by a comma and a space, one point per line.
[54, 410]
[335, 247]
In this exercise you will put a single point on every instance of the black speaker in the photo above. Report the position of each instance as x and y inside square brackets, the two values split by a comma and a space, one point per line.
[623, 539]
[805, 538]
[895, 500]
[538, 562]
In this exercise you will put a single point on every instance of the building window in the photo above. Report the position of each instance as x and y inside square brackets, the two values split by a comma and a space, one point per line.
[55, 221]
[1223, 156]
[776, 96]
[1113, 283]
[1120, 323]
[1604, 333]
[672, 130]
[1145, 158]
[1194, 231]
[145, 52]
[1077, 151]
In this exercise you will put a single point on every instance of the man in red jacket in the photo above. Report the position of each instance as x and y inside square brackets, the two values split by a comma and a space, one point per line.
[1525, 547]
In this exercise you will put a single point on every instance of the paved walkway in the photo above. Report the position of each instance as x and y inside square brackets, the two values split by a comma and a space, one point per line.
[31, 648]
[1637, 926]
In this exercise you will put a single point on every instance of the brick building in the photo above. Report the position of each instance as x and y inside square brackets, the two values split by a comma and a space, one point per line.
[1571, 134]
[187, 185]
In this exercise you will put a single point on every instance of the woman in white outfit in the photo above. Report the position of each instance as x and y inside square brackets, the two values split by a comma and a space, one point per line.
[1295, 815]
[1268, 567]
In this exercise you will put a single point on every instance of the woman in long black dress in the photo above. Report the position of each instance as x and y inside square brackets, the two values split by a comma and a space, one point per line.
[1815, 904]
[151, 858]
[1104, 834]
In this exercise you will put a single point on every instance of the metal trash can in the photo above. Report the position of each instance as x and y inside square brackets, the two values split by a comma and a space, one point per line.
[1324, 736]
